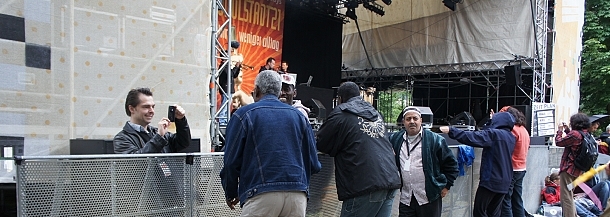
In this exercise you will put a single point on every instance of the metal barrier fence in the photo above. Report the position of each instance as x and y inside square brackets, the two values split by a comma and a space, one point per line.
[121, 185]
[189, 185]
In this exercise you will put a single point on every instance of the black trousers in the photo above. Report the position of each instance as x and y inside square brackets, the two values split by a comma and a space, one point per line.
[431, 209]
[487, 203]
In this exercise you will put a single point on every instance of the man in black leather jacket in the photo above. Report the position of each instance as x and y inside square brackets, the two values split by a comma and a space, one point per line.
[138, 136]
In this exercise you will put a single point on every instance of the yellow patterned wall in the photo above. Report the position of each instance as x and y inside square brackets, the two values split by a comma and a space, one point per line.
[99, 50]
[566, 57]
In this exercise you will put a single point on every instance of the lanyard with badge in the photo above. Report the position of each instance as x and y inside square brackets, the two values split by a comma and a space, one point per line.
[407, 166]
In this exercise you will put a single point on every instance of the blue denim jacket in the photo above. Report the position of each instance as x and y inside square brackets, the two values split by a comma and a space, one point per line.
[270, 146]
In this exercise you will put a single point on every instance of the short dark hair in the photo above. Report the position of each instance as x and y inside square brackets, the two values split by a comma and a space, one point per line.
[133, 97]
[270, 59]
[348, 90]
[580, 121]
[284, 61]
[519, 117]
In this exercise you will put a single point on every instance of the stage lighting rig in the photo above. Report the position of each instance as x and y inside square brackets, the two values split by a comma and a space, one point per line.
[374, 7]
[343, 10]
[451, 3]
[351, 13]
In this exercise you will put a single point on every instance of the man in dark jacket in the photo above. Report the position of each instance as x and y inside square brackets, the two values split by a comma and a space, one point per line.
[496, 171]
[139, 137]
[365, 169]
[427, 166]
[269, 65]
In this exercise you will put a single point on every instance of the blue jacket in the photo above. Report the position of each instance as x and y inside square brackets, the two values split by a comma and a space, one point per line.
[270, 146]
[498, 143]
[440, 166]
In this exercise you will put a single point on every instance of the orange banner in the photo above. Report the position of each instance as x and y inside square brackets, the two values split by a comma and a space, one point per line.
[258, 26]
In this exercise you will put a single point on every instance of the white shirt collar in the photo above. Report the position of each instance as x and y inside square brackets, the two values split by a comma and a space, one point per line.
[406, 135]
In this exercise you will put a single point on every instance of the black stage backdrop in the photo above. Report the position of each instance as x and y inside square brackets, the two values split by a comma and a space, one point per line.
[312, 46]
[455, 98]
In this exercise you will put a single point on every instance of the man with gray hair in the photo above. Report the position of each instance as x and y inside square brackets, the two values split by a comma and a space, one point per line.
[427, 166]
[270, 154]
[365, 173]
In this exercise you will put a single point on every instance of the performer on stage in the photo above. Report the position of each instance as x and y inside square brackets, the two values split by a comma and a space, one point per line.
[283, 67]
[268, 65]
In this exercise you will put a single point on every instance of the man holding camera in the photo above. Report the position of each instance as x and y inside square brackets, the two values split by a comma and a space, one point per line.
[139, 137]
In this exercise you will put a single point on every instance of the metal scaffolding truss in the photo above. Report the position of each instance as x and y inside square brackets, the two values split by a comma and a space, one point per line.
[220, 54]
[540, 15]
[364, 75]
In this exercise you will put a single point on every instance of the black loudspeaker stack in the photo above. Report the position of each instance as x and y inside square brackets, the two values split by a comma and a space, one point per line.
[513, 74]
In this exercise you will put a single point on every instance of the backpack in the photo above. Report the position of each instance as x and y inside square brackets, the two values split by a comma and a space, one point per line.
[587, 154]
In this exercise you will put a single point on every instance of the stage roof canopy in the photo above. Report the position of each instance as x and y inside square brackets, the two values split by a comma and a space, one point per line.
[424, 32]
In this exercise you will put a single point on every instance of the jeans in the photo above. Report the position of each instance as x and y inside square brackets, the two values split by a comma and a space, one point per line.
[582, 211]
[512, 205]
[602, 190]
[377, 203]
[222, 116]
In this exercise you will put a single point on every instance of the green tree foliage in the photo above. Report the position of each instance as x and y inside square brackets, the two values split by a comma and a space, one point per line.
[595, 74]
[391, 103]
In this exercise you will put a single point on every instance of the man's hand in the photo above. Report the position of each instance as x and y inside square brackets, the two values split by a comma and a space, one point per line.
[232, 202]
[491, 113]
[444, 192]
[566, 128]
[163, 125]
[444, 129]
[180, 113]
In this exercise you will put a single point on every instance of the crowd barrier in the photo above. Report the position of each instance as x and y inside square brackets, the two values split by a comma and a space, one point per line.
[189, 185]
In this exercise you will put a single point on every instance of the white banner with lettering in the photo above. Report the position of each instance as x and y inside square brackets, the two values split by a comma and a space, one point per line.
[543, 119]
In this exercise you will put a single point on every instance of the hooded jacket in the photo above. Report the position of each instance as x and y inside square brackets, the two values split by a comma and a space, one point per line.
[299, 106]
[354, 134]
[498, 143]
[550, 193]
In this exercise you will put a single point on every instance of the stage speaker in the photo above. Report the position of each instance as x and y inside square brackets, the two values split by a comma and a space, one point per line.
[450, 4]
[464, 118]
[513, 74]
[323, 95]
[91, 146]
[527, 111]
[194, 146]
[317, 109]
